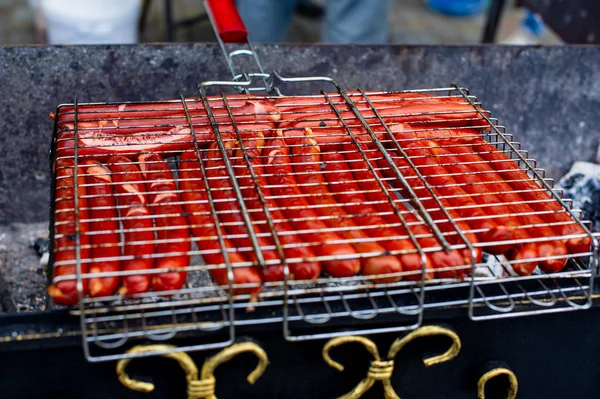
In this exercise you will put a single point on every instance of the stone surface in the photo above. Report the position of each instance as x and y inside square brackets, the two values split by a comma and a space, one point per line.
[22, 277]
[548, 97]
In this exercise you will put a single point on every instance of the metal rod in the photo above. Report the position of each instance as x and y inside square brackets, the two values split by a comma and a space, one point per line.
[213, 212]
[78, 272]
[493, 21]
[234, 184]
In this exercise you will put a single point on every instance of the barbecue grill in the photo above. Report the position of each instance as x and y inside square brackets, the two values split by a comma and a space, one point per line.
[318, 309]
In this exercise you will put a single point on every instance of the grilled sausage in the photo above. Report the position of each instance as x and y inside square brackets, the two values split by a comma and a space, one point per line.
[553, 212]
[104, 228]
[137, 224]
[198, 212]
[381, 100]
[171, 227]
[457, 198]
[525, 212]
[249, 109]
[230, 210]
[395, 107]
[301, 217]
[167, 136]
[424, 113]
[293, 246]
[341, 181]
[332, 134]
[307, 161]
[444, 224]
[328, 131]
[447, 264]
[478, 185]
[65, 256]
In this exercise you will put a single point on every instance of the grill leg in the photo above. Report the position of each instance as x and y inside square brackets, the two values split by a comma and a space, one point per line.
[169, 20]
[308, 9]
[493, 20]
[142, 22]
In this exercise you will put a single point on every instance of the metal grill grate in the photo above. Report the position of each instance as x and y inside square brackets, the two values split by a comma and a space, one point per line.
[387, 142]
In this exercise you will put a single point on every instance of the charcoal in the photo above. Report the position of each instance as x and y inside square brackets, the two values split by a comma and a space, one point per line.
[41, 245]
[582, 185]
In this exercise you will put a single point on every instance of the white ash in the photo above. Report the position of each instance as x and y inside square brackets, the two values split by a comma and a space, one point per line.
[582, 185]
[493, 267]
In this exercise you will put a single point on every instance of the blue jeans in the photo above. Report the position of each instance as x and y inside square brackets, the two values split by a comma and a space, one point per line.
[346, 21]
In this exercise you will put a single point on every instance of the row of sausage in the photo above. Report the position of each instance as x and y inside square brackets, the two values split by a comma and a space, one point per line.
[317, 177]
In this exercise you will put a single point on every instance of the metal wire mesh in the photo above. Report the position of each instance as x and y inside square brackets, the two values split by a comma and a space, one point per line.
[391, 178]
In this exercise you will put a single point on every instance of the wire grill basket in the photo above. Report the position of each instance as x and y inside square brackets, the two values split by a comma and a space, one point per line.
[392, 153]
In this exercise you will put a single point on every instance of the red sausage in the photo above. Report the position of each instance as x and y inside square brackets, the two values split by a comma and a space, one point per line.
[525, 213]
[164, 136]
[171, 227]
[478, 185]
[293, 246]
[540, 200]
[300, 215]
[432, 206]
[426, 112]
[328, 131]
[445, 263]
[343, 184]
[137, 224]
[405, 133]
[469, 183]
[456, 197]
[307, 166]
[65, 292]
[104, 226]
[197, 209]
[228, 207]
[251, 109]
[396, 99]
[398, 107]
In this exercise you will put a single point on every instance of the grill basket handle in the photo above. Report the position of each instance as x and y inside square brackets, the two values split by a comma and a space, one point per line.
[227, 21]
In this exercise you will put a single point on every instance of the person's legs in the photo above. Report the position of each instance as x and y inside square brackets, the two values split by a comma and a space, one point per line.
[356, 21]
[267, 20]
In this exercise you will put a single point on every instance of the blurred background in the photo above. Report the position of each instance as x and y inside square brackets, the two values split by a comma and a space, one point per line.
[410, 21]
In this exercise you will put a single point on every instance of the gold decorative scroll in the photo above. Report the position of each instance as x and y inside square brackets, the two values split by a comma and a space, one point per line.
[203, 388]
[513, 383]
[381, 370]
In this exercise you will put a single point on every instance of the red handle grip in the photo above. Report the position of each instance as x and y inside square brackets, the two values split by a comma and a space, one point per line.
[228, 22]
